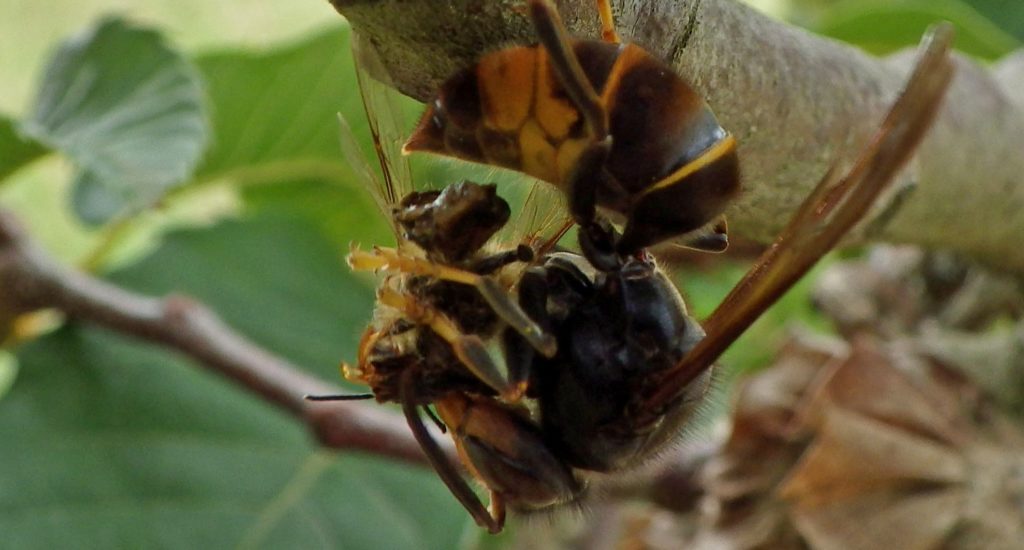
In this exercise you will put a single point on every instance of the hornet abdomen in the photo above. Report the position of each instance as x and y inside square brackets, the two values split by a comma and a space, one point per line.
[671, 166]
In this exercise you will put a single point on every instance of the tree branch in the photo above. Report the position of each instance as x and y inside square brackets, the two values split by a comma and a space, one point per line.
[31, 280]
[795, 101]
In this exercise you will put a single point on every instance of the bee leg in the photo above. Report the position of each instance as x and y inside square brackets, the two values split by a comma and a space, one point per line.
[468, 348]
[389, 259]
[490, 264]
[519, 355]
[598, 239]
[551, 33]
[501, 301]
[597, 243]
[608, 34]
[497, 508]
[366, 344]
[519, 361]
[508, 453]
[437, 421]
[437, 458]
[338, 397]
[713, 237]
[547, 294]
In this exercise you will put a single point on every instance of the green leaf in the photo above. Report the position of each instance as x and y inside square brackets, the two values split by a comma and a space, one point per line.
[8, 369]
[275, 115]
[16, 150]
[128, 110]
[1008, 14]
[112, 443]
[883, 26]
[344, 214]
[275, 112]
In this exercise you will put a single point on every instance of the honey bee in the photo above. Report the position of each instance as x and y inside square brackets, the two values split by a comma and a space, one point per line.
[602, 362]
[444, 304]
[606, 122]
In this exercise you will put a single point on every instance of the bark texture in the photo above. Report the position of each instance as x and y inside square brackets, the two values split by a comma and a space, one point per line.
[796, 102]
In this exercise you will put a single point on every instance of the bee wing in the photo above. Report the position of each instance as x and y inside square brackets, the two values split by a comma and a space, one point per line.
[834, 207]
[357, 161]
[394, 178]
[540, 220]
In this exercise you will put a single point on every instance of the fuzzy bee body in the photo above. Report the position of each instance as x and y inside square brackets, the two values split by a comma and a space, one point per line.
[617, 332]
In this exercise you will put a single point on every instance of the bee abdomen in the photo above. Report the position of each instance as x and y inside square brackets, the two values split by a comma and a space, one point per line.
[510, 110]
[672, 166]
[657, 120]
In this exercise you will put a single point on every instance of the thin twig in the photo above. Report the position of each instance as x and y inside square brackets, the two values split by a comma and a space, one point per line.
[31, 280]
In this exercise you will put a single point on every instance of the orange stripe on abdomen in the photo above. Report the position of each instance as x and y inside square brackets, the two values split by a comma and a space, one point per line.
[506, 80]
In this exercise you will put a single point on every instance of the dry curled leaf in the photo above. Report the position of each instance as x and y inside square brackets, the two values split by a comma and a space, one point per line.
[878, 452]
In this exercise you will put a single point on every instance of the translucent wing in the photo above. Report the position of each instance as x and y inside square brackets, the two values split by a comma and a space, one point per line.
[825, 216]
[540, 218]
[357, 161]
[393, 180]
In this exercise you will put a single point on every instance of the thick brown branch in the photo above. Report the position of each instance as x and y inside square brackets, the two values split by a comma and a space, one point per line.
[796, 102]
[31, 280]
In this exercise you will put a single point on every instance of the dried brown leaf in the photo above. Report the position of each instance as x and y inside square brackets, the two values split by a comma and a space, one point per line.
[920, 520]
[854, 454]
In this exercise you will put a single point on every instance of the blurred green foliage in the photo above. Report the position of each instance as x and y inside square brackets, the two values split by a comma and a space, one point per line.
[987, 29]
[883, 26]
[1007, 14]
[113, 443]
[128, 110]
[110, 443]
[16, 149]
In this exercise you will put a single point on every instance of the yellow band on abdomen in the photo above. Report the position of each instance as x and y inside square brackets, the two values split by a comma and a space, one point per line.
[725, 146]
